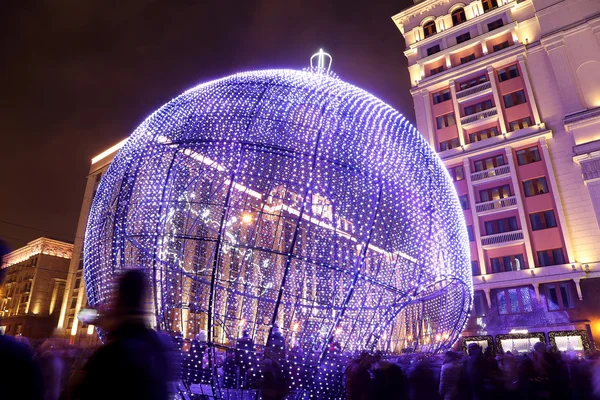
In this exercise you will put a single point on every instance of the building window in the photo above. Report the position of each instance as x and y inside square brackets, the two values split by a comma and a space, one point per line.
[542, 220]
[470, 233]
[533, 187]
[468, 58]
[500, 46]
[508, 73]
[514, 99]
[520, 124]
[528, 156]
[482, 135]
[475, 108]
[464, 201]
[441, 96]
[457, 173]
[489, 5]
[433, 49]
[558, 296]
[475, 268]
[473, 82]
[514, 300]
[449, 144]
[496, 193]
[501, 225]
[489, 163]
[478, 304]
[463, 38]
[436, 70]
[458, 16]
[445, 120]
[495, 25]
[507, 263]
[550, 257]
[429, 29]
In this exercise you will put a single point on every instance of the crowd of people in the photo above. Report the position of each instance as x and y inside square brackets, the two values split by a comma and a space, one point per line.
[138, 363]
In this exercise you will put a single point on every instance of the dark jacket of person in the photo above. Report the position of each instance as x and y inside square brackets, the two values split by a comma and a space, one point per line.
[135, 364]
[20, 374]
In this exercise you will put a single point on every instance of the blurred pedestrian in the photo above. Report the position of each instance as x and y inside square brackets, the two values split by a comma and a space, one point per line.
[20, 374]
[136, 362]
[450, 377]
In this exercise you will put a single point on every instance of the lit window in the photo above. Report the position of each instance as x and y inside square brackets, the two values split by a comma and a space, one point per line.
[495, 193]
[501, 225]
[475, 108]
[463, 38]
[520, 124]
[464, 202]
[529, 155]
[441, 96]
[433, 49]
[542, 220]
[429, 29]
[558, 296]
[489, 163]
[436, 70]
[500, 46]
[508, 73]
[478, 304]
[489, 5]
[458, 16]
[458, 173]
[449, 144]
[514, 300]
[550, 257]
[534, 187]
[514, 99]
[445, 120]
[482, 135]
[466, 59]
[473, 82]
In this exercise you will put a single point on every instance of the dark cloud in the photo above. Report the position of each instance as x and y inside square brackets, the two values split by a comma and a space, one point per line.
[78, 76]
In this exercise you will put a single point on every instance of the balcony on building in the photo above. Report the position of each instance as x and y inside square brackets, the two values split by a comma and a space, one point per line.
[474, 88]
[502, 171]
[502, 239]
[501, 204]
[480, 118]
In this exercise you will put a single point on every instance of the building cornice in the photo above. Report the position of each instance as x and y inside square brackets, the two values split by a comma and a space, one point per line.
[581, 119]
[417, 10]
[41, 245]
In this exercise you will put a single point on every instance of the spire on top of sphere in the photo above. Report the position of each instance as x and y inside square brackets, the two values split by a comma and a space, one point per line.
[323, 62]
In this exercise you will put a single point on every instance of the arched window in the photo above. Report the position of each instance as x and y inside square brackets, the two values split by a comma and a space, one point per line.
[489, 5]
[429, 28]
[458, 16]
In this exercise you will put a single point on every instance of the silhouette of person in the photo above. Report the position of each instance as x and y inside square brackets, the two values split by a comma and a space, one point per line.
[136, 362]
[20, 374]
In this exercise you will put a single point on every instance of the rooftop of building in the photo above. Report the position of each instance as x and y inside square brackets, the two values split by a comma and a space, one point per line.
[42, 245]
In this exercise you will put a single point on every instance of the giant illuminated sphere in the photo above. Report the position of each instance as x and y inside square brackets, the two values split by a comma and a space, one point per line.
[287, 198]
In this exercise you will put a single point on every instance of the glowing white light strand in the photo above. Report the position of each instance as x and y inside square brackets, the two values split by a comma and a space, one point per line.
[292, 206]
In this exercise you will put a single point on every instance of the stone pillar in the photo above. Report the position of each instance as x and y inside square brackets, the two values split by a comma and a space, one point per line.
[497, 100]
[476, 230]
[429, 118]
[557, 201]
[531, 94]
[521, 208]
[461, 134]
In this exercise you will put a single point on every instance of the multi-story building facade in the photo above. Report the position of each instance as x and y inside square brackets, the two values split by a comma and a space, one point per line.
[75, 297]
[508, 93]
[34, 286]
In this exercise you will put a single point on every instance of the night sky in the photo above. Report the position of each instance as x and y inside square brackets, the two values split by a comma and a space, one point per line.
[79, 76]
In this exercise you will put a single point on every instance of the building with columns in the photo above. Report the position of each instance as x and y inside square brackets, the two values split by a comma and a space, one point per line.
[75, 297]
[508, 93]
[32, 293]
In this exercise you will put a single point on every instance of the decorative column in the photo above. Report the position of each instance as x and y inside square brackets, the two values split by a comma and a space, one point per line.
[492, 77]
[429, 118]
[578, 287]
[555, 193]
[488, 296]
[476, 230]
[448, 62]
[532, 102]
[521, 208]
[461, 134]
